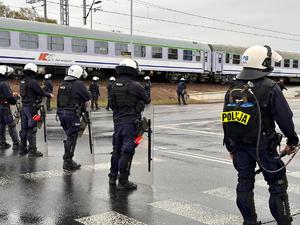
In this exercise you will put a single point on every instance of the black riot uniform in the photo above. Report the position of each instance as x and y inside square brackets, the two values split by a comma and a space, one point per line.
[241, 124]
[71, 99]
[94, 89]
[6, 117]
[181, 89]
[147, 87]
[48, 87]
[32, 95]
[128, 102]
[109, 87]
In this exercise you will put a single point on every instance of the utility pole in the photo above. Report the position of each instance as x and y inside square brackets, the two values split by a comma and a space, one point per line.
[131, 24]
[45, 11]
[64, 12]
[86, 15]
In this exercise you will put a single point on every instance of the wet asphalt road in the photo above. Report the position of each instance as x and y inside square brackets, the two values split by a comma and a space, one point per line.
[193, 178]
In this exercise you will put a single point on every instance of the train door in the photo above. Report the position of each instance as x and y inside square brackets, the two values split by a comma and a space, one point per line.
[217, 62]
[206, 62]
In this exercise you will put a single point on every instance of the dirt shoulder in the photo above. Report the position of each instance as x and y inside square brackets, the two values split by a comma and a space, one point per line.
[161, 93]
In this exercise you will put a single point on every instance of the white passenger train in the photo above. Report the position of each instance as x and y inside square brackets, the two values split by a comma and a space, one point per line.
[55, 47]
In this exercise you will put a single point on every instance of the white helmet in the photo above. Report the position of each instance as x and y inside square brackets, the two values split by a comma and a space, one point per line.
[31, 67]
[182, 79]
[6, 70]
[77, 71]
[260, 59]
[112, 78]
[147, 78]
[48, 76]
[95, 78]
[128, 66]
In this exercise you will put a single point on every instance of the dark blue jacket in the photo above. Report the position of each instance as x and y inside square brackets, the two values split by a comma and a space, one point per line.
[6, 93]
[130, 114]
[181, 86]
[94, 88]
[33, 92]
[48, 86]
[280, 112]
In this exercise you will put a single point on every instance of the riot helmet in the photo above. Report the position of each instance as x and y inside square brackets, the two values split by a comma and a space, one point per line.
[48, 76]
[76, 72]
[30, 69]
[146, 78]
[182, 79]
[129, 67]
[6, 71]
[112, 79]
[95, 78]
[257, 62]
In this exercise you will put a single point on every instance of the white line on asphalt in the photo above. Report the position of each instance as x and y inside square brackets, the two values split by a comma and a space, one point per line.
[45, 174]
[213, 159]
[260, 200]
[202, 214]
[294, 174]
[214, 134]
[293, 188]
[187, 123]
[109, 218]
[5, 180]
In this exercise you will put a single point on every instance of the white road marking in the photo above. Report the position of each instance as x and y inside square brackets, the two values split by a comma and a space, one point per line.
[109, 218]
[293, 188]
[199, 213]
[196, 156]
[187, 123]
[260, 200]
[45, 174]
[5, 180]
[294, 174]
[214, 134]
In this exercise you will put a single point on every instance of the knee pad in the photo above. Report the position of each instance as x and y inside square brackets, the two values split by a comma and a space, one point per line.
[280, 208]
[245, 184]
[278, 186]
[116, 153]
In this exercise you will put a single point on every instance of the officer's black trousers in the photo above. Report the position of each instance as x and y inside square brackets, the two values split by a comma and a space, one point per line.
[245, 161]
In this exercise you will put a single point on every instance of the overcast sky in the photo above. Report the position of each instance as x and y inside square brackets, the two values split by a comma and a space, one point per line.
[276, 15]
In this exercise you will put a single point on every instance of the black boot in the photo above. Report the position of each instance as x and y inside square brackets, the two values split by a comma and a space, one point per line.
[16, 146]
[112, 181]
[35, 153]
[126, 185]
[4, 146]
[70, 165]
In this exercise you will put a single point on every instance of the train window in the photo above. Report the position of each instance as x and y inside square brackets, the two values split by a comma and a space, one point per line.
[295, 63]
[157, 52]
[278, 64]
[101, 47]
[236, 59]
[30, 41]
[197, 55]
[227, 58]
[55, 43]
[286, 63]
[4, 39]
[79, 45]
[172, 53]
[121, 48]
[139, 51]
[188, 55]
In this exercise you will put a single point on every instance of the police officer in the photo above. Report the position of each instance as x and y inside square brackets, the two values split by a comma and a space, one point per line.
[108, 87]
[148, 86]
[48, 87]
[128, 102]
[71, 101]
[31, 94]
[94, 89]
[7, 98]
[241, 137]
[181, 91]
